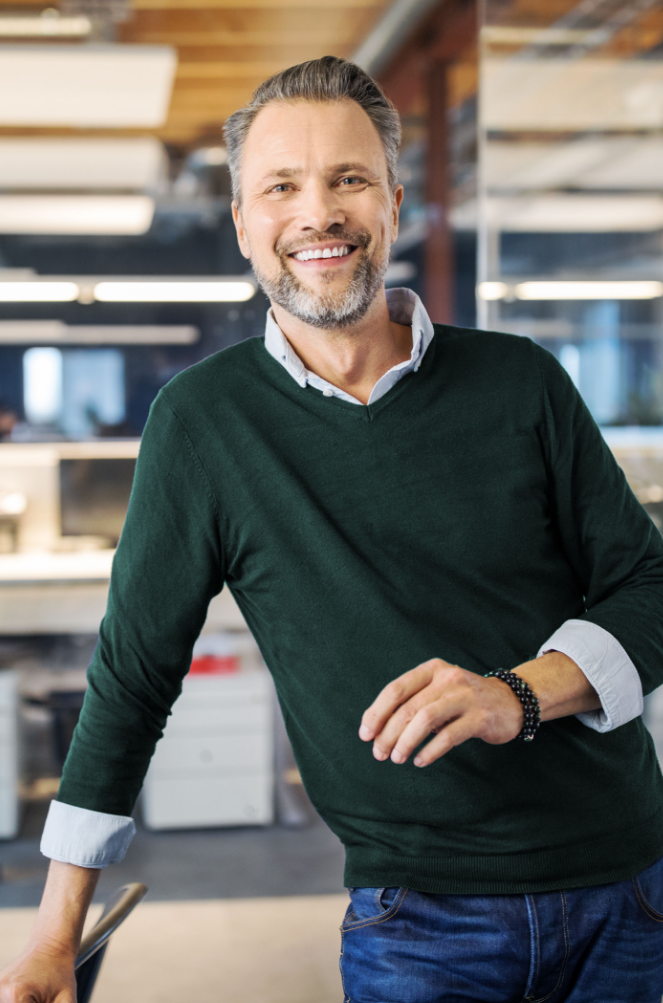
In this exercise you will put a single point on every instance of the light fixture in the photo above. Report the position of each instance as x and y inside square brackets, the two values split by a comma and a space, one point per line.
[173, 291]
[559, 212]
[38, 292]
[492, 290]
[13, 503]
[56, 332]
[571, 94]
[86, 86]
[48, 24]
[51, 164]
[591, 290]
[126, 215]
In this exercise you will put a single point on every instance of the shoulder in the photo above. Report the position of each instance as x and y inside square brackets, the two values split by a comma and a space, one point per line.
[219, 373]
[512, 356]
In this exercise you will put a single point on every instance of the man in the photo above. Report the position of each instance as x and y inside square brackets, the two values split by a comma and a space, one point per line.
[399, 509]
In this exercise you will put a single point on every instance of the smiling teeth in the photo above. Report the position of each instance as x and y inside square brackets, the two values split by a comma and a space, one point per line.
[329, 252]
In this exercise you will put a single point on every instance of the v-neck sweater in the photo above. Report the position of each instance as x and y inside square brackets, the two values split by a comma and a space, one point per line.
[465, 515]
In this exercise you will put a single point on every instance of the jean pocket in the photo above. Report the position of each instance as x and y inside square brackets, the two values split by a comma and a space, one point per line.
[648, 887]
[372, 905]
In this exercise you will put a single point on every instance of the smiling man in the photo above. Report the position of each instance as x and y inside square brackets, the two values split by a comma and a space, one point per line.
[438, 556]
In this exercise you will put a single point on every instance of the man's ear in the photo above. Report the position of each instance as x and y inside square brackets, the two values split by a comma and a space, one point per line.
[242, 239]
[397, 201]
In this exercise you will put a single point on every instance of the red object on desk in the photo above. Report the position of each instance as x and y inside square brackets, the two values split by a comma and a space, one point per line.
[214, 665]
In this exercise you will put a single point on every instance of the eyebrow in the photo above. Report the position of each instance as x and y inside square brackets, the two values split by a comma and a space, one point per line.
[290, 172]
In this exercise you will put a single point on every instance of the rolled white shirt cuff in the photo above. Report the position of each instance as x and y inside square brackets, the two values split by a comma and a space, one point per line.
[86, 838]
[607, 666]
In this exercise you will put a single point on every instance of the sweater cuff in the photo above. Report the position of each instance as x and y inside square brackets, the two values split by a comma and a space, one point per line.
[607, 666]
[85, 838]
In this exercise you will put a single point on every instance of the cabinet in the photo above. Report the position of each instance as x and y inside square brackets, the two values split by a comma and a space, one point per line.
[9, 742]
[214, 764]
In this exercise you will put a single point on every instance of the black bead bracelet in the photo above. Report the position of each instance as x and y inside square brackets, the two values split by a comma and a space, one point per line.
[528, 699]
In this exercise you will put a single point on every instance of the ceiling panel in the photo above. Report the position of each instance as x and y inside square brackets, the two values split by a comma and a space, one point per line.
[224, 48]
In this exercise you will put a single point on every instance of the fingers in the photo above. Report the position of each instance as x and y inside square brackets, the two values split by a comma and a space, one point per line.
[392, 696]
[453, 734]
[433, 717]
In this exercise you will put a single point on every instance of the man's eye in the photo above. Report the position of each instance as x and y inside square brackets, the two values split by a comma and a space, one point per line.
[284, 187]
[352, 182]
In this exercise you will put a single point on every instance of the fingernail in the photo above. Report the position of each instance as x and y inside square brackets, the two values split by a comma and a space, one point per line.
[418, 761]
[379, 754]
[365, 733]
[397, 757]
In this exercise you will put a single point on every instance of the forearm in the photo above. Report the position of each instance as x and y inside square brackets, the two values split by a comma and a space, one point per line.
[64, 905]
[560, 686]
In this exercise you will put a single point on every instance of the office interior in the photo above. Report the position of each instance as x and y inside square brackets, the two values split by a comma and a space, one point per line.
[532, 163]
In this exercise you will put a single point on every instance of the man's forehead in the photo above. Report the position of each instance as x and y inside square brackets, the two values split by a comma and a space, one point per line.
[296, 137]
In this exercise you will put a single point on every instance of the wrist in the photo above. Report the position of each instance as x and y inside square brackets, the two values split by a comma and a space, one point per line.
[530, 712]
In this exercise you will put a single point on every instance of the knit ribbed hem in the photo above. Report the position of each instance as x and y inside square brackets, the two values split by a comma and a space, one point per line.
[616, 856]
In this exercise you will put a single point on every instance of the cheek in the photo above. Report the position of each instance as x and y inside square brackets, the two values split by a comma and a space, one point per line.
[263, 231]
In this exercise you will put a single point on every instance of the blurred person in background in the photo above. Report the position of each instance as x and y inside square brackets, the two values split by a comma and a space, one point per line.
[431, 544]
[8, 421]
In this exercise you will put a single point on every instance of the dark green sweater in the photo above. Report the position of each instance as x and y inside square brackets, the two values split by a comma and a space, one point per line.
[466, 515]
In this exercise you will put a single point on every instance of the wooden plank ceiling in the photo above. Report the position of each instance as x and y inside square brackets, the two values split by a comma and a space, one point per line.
[225, 49]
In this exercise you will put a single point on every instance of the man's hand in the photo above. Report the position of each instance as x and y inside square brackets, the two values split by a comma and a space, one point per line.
[455, 705]
[39, 977]
[45, 972]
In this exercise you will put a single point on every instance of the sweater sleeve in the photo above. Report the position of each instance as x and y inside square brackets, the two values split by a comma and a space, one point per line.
[167, 567]
[607, 536]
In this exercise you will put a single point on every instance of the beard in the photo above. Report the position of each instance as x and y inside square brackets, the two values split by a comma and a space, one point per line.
[332, 309]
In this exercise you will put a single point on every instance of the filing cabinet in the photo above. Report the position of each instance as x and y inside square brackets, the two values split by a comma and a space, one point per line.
[214, 764]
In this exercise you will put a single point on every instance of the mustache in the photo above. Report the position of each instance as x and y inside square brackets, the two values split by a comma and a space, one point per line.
[360, 238]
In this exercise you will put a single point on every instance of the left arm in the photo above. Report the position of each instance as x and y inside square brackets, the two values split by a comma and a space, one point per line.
[455, 705]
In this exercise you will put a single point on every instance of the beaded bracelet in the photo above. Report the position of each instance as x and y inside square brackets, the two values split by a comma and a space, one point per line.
[528, 699]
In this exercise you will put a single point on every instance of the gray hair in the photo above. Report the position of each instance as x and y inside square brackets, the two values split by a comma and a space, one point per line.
[325, 79]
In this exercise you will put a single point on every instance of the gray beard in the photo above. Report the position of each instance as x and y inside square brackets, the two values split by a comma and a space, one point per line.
[327, 311]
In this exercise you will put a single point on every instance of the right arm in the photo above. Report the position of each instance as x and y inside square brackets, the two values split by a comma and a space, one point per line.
[167, 568]
[44, 973]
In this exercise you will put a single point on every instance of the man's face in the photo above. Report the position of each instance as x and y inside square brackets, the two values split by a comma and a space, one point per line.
[317, 217]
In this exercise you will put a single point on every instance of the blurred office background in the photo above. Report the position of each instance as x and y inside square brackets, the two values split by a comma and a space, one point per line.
[533, 170]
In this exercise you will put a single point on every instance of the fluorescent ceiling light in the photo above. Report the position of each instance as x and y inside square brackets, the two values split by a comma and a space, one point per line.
[571, 94]
[624, 162]
[48, 24]
[507, 35]
[561, 213]
[55, 332]
[562, 290]
[82, 164]
[86, 86]
[492, 290]
[129, 215]
[38, 292]
[174, 291]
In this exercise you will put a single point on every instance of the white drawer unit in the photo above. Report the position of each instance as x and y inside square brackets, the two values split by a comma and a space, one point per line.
[214, 764]
[9, 755]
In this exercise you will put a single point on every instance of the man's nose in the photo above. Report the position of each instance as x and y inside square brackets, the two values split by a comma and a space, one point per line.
[320, 207]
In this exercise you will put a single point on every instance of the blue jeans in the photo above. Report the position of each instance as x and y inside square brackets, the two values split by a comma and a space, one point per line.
[588, 945]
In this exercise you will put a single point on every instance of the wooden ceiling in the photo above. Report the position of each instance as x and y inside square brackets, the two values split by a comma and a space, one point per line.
[226, 48]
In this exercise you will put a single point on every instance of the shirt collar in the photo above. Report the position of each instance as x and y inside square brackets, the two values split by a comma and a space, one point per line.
[404, 306]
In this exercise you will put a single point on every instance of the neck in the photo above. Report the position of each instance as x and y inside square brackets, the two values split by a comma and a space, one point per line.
[354, 358]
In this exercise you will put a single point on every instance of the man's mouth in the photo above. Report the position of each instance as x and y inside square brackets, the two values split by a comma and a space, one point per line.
[329, 251]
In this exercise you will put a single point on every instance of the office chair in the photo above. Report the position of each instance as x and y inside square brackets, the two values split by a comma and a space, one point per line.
[94, 944]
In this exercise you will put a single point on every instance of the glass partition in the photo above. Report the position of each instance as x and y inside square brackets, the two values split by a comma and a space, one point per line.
[570, 203]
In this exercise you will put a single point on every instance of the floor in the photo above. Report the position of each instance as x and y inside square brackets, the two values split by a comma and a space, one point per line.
[232, 915]
[257, 950]
[204, 864]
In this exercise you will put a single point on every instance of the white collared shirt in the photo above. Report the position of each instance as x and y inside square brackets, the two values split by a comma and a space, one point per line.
[95, 839]
[405, 308]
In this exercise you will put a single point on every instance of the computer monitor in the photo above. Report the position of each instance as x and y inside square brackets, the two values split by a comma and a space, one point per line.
[94, 495]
